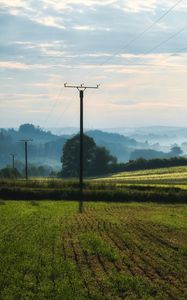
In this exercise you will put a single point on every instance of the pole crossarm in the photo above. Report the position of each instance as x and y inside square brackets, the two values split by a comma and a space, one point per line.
[26, 141]
[81, 86]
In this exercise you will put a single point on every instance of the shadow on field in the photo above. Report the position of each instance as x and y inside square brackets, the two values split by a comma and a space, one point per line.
[127, 194]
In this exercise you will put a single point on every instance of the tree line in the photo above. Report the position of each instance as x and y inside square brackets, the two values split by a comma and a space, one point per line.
[144, 164]
[98, 161]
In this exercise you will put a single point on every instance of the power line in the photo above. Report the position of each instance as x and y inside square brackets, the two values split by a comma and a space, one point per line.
[161, 44]
[168, 56]
[136, 38]
[167, 40]
[53, 107]
[146, 66]
[65, 110]
[143, 32]
[146, 30]
[108, 59]
[162, 60]
[127, 45]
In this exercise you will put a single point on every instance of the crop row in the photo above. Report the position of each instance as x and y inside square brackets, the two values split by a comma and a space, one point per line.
[109, 252]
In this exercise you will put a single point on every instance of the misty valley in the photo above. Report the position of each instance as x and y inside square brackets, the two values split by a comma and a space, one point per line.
[45, 150]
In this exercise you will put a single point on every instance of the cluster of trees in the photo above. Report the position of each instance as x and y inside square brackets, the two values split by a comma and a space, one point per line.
[97, 160]
[33, 171]
[152, 154]
[143, 164]
[10, 173]
[40, 171]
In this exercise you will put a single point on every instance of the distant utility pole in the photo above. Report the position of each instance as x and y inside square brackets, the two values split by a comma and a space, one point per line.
[81, 88]
[13, 160]
[26, 157]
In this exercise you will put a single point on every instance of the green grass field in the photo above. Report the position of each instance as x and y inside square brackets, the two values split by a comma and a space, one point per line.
[174, 176]
[112, 251]
[167, 185]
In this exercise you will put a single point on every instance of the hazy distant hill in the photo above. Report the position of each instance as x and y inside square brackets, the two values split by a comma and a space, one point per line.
[101, 136]
[28, 131]
[119, 145]
[46, 147]
[165, 135]
[62, 130]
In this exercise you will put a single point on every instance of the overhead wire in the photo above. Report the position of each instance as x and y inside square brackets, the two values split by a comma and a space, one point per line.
[117, 52]
[165, 58]
[53, 107]
[129, 44]
[167, 40]
[143, 32]
[67, 107]
[158, 46]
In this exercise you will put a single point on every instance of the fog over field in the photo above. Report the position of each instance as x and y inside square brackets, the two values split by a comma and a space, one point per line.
[161, 134]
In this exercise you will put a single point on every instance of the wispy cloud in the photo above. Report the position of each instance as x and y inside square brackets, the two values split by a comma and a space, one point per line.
[22, 66]
[90, 28]
[134, 6]
[49, 21]
[14, 3]
[13, 65]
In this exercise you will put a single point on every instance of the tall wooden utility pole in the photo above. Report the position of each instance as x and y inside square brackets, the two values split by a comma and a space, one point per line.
[13, 160]
[26, 156]
[81, 88]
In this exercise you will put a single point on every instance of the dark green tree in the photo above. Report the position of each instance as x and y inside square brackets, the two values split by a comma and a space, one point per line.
[27, 129]
[96, 160]
[175, 151]
[102, 161]
[9, 173]
[70, 158]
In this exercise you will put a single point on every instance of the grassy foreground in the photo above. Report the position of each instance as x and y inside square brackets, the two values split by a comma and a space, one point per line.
[112, 251]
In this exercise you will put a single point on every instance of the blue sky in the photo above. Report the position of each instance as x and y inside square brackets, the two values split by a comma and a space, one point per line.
[44, 43]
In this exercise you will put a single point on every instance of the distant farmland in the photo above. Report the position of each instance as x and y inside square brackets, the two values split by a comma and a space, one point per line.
[174, 176]
[112, 251]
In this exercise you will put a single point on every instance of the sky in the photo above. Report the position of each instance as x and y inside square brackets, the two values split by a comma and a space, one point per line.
[136, 50]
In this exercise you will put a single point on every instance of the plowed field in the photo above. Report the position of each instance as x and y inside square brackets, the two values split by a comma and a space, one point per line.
[111, 251]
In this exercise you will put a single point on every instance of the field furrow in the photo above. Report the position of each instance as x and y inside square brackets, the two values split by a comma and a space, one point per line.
[116, 251]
